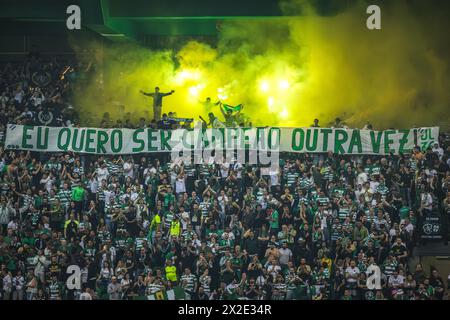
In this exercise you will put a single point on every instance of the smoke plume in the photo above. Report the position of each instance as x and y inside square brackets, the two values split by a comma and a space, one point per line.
[289, 70]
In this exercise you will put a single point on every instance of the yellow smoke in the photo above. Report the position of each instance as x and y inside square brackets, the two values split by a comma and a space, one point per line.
[288, 71]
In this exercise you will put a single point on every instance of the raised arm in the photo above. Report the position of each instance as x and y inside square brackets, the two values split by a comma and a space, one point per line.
[223, 111]
[167, 93]
[37, 170]
[205, 124]
[146, 93]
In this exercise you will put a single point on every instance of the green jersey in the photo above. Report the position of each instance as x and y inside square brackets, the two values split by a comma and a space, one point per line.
[274, 223]
[78, 194]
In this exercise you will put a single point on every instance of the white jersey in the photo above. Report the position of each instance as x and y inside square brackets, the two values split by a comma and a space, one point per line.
[180, 185]
[102, 174]
[85, 296]
[353, 272]
[128, 169]
[274, 178]
[224, 170]
[362, 178]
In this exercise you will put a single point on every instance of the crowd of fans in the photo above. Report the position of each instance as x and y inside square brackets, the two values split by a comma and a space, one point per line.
[136, 226]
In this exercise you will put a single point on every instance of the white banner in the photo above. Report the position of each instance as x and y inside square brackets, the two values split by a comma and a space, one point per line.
[132, 141]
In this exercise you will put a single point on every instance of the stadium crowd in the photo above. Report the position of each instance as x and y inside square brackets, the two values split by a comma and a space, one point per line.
[138, 226]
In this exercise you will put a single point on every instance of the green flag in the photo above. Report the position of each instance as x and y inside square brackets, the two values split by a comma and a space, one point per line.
[177, 293]
[227, 107]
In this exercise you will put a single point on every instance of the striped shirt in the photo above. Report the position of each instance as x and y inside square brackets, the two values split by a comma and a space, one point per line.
[109, 207]
[113, 169]
[313, 195]
[302, 200]
[382, 189]
[290, 178]
[188, 235]
[168, 218]
[121, 243]
[191, 280]
[79, 170]
[204, 208]
[204, 169]
[337, 193]
[375, 170]
[64, 197]
[260, 194]
[204, 282]
[281, 288]
[372, 170]
[27, 200]
[90, 252]
[54, 291]
[343, 213]
[52, 165]
[413, 164]
[52, 200]
[289, 279]
[335, 233]
[104, 236]
[305, 183]
[190, 170]
[101, 193]
[327, 173]
[389, 267]
[140, 243]
[323, 201]
[152, 288]
[74, 183]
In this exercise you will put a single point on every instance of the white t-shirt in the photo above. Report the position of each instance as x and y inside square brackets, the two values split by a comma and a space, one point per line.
[323, 221]
[409, 227]
[362, 178]
[85, 296]
[37, 100]
[93, 185]
[392, 233]
[102, 174]
[128, 169]
[19, 96]
[274, 178]
[285, 255]
[427, 201]
[149, 170]
[108, 196]
[396, 281]
[238, 168]
[7, 283]
[374, 185]
[273, 269]
[224, 169]
[358, 193]
[222, 201]
[353, 272]
[430, 174]
[185, 219]
[13, 225]
[180, 185]
[3, 100]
